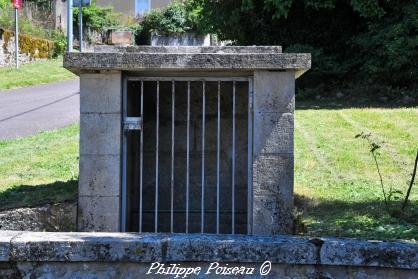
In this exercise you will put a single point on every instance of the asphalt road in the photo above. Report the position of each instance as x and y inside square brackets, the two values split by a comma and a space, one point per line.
[27, 111]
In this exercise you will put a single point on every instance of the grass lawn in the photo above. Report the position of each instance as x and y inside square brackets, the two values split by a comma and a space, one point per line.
[34, 73]
[337, 187]
[48, 161]
[336, 183]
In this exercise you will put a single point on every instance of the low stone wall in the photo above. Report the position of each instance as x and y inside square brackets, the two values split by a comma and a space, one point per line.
[125, 255]
[180, 39]
[60, 217]
[31, 49]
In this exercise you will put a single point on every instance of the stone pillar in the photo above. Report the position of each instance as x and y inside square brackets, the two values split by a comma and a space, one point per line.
[274, 99]
[100, 151]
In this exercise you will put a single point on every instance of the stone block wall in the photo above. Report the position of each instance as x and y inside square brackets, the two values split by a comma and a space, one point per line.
[274, 102]
[272, 75]
[100, 151]
[31, 49]
[116, 255]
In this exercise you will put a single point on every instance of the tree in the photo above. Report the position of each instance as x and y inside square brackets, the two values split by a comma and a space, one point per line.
[352, 41]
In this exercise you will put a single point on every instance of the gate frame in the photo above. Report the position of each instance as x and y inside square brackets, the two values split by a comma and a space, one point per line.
[128, 120]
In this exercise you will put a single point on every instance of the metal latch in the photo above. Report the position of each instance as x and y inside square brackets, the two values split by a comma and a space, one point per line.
[132, 123]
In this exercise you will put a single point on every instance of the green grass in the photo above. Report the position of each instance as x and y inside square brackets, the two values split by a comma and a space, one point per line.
[337, 187]
[33, 74]
[39, 169]
[336, 183]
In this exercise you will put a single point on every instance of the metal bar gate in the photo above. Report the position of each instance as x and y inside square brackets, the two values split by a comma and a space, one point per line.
[135, 123]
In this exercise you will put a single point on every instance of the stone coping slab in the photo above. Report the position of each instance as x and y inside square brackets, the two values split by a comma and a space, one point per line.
[188, 59]
[189, 49]
[145, 248]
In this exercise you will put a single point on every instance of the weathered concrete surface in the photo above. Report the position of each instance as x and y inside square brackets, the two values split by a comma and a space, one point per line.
[98, 93]
[274, 91]
[273, 159]
[77, 62]
[49, 217]
[181, 39]
[372, 253]
[273, 74]
[189, 49]
[99, 213]
[100, 147]
[105, 179]
[125, 255]
[5, 244]
[93, 270]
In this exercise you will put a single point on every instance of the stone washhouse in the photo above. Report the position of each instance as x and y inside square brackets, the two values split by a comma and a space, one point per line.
[187, 139]
[196, 144]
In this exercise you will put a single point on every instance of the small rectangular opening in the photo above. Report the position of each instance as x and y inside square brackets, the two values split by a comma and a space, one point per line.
[187, 169]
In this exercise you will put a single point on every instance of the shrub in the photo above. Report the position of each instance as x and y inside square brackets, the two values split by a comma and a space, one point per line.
[99, 19]
[178, 17]
[60, 43]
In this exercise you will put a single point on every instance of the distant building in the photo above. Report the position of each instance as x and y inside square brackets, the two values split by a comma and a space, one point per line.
[134, 7]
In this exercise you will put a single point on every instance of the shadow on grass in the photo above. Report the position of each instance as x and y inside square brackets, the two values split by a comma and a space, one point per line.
[336, 104]
[364, 219]
[34, 195]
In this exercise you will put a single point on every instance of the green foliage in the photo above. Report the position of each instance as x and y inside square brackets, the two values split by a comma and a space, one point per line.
[388, 50]
[280, 7]
[178, 17]
[353, 42]
[99, 19]
[171, 20]
[6, 14]
[31, 33]
[4, 4]
[26, 26]
[60, 43]
[391, 196]
[368, 8]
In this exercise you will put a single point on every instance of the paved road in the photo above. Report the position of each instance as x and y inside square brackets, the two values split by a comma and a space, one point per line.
[27, 111]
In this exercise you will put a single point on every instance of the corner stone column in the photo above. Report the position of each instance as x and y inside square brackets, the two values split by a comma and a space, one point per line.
[274, 99]
[100, 151]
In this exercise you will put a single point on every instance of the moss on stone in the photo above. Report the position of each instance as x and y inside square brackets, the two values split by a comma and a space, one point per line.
[36, 47]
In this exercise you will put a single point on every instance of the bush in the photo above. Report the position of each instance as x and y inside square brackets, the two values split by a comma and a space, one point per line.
[178, 17]
[99, 19]
[60, 43]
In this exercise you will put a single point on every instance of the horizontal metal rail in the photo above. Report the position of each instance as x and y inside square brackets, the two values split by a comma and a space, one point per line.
[195, 211]
[187, 79]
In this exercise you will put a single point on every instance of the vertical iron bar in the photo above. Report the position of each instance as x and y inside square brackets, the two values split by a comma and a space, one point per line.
[188, 157]
[173, 86]
[218, 158]
[250, 159]
[124, 159]
[202, 213]
[141, 157]
[156, 156]
[233, 157]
